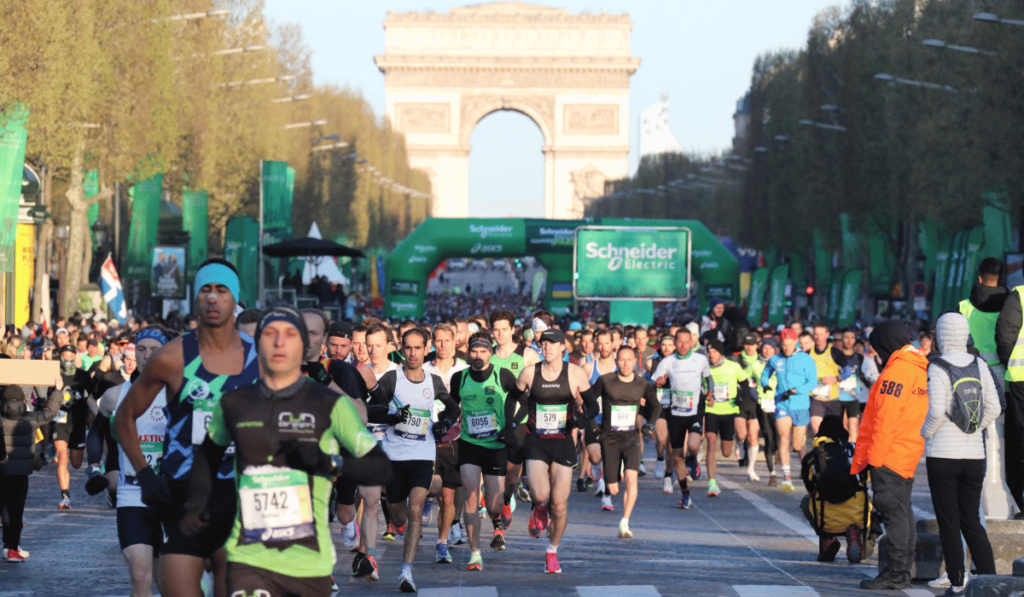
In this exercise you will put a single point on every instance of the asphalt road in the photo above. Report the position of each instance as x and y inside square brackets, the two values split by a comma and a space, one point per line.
[750, 541]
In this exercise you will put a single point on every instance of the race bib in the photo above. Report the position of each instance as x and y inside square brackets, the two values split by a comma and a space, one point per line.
[768, 405]
[849, 385]
[684, 404]
[721, 393]
[822, 391]
[415, 428]
[152, 452]
[551, 419]
[482, 424]
[666, 397]
[202, 412]
[623, 417]
[276, 506]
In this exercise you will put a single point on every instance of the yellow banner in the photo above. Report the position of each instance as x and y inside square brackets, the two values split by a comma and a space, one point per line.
[24, 272]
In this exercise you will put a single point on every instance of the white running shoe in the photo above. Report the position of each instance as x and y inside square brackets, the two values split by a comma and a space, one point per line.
[350, 535]
[659, 469]
[753, 476]
[600, 488]
[740, 451]
[669, 487]
[642, 471]
[455, 535]
[606, 503]
[941, 582]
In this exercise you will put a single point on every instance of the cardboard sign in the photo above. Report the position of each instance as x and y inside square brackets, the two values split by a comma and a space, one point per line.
[28, 373]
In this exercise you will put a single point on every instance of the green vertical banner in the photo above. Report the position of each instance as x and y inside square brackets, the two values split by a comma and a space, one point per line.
[972, 258]
[951, 295]
[928, 239]
[777, 294]
[835, 290]
[290, 184]
[13, 137]
[756, 295]
[277, 210]
[848, 300]
[195, 221]
[943, 258]
[882, 263]
[91, 186]
[250, 262]
[997, 231]
[798, 274]
[234, 237]
[142, 235]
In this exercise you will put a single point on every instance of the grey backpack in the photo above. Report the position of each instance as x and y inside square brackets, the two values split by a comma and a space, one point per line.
[967, 407]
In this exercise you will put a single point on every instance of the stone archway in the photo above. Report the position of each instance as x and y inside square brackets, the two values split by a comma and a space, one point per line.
[568, 72]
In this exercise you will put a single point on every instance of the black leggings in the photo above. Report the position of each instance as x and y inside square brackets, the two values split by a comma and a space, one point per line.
[771, 442]
[955, 486]
[13, 493]
[99, 435]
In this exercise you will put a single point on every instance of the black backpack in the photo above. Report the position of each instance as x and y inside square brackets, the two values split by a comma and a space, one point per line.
[830, 463]
[967, 407]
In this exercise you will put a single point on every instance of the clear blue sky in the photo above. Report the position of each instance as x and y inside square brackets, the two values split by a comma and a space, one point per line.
[699, 52]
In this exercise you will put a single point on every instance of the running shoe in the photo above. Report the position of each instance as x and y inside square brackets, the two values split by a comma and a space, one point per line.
[96, 481]
[685, 501]
[713, 488]
[668, 486]
[624, 532]
[401, 530]
[828, 547]
[787, 485]
[350, 536]
[600, 488]
[111, 500]
[693, 469]
[551, 564]
[753, 476]
[405, 583]
[581, 485]
[25, 554]
[606, 504]
[428, 511]
[476, 561]
[498, 541]
[455, 535]
[443, 557]
[741, 455]
[523, 493]
[659, 469]
[374, 572]
[389, 533]
[65, 503]
[941, 582]
[773, 481]
[642, 471]
[955, 590]
[506, 516]
[537, 523]
[356, 568]
[854, 544]
[334, 586]
[14, 557]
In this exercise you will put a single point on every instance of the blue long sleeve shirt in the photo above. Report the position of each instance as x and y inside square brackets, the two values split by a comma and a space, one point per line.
[796, 372]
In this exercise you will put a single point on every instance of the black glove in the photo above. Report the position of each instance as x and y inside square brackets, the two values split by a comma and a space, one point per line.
[647, 430]
[193, 522]
[766, 388]
[791, 392]
[155, 492]
[38, 462]
[441, 427]
[401, 416]
[579, 421]
[305, 456]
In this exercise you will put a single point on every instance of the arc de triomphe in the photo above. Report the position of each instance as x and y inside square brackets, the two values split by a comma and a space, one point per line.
[568, 72]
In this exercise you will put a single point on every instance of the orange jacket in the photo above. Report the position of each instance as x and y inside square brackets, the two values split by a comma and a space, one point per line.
[890, 428]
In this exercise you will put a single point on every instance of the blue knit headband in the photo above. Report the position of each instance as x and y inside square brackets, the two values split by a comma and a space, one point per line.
[217, 273]
[151, 334]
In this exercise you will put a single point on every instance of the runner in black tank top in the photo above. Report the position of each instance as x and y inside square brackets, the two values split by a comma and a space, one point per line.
[549, 401]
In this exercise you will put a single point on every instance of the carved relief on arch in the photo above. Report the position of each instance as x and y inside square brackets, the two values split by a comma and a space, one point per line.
[540, 109]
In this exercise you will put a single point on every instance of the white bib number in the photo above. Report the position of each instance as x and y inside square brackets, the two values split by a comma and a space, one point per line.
[276, 506]
[551, 419]
[684, 404]
[666, 397]
[849, 385]
[482, 424]
[822, 391]
[768, 405]
[623, 417]
[415, 428]
[721, 393]
[202, 412]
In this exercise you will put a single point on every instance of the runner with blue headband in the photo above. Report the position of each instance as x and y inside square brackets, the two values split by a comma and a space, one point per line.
[195, 370]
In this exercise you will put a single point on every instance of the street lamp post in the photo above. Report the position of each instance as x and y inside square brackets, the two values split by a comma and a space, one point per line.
[299, 125]
[987, 17]
[941, 45]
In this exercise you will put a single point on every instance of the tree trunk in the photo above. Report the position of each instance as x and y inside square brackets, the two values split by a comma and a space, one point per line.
[86, 253]
[70, 282]
[41, 294]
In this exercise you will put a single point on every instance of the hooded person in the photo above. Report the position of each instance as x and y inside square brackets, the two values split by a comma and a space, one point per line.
[1009, 339]
[715, 321]
[890, 445]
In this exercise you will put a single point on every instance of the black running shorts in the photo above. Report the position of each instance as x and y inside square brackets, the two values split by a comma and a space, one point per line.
[748, 410]
[446, 464]
[852, 409]
[491, 462]
[678, 427]
[138, 525]
[824, 408]
[616, 454]
[346, 491]
[71, 433]
[723, 425]
[249, 580]
[221, 507]
[559, 451]
[518, 455]
[406, 475]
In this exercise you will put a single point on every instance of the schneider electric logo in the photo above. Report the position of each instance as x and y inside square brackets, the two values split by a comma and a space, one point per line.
[403, 306]
[482, 248]
[494, 231]
[650, 257]
[425, 248]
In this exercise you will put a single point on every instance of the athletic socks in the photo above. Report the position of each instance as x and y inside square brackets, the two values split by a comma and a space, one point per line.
[496, 521]
[552, 548]
[785, 470]
[508, 500]
[682, 484]
[65, 493]
[752, 457]
[385, 510]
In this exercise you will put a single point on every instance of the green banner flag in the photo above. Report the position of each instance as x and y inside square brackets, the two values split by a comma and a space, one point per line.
[972, 258]
[13, 137]
[195, 221]
[943, 259]
[848, 300]
[882, 263]
[756, 295]
[240, 246]
[777, 294]
[277, 214]
[835, 289]
[142, 234]
[290, 184]
[951, 295]
[798, 273]
[997, 228]
[91, 186]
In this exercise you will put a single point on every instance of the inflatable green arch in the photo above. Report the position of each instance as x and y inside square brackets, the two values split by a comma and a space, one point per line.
[715, 269]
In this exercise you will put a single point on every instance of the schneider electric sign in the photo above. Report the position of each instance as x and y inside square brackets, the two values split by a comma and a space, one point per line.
[631, 263]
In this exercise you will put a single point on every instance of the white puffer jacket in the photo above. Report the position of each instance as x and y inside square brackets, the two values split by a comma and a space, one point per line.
[942, 438]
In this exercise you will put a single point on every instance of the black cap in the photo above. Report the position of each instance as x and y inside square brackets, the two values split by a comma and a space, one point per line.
[552, 335]
[14, 394]
[750, 339]
[717, 345]
[339, 329]
[67, 348]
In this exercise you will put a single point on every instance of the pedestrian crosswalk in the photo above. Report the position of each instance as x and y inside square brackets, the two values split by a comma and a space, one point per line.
[625, 591]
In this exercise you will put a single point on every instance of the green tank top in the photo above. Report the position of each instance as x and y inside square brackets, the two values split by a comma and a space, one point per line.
[483, 410]
[513, 363]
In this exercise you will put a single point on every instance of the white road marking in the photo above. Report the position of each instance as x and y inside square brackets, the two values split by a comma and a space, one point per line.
[774, 591]
[619, 591]
[460, 592]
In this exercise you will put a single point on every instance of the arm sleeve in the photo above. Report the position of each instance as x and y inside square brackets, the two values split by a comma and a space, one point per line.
[708, 380]
[840, 359]
[1008, 327]
[456, 384]
[507, 379]
[516, 398]
[452, 411]
[590, 406]
[939, 394]
[200, 482]
[385, 389]
[766, 375]
[870, 371]
[662, 368]
[348, 429]
[651, 403]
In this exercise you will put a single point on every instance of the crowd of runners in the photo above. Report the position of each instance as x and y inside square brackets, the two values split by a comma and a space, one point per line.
[228, 446]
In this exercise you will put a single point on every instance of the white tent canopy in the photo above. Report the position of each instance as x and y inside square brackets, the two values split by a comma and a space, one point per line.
[322, 266]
